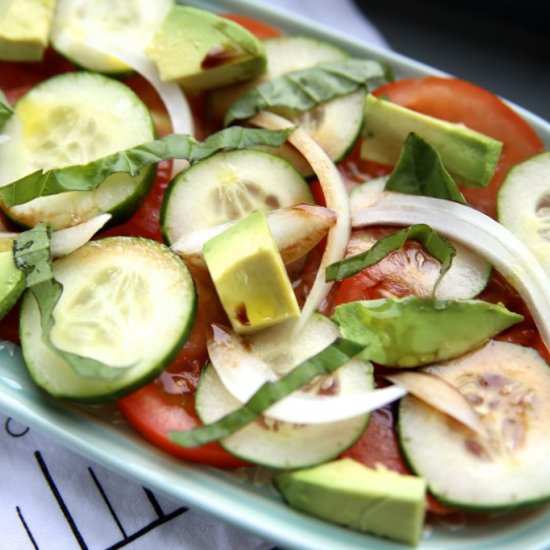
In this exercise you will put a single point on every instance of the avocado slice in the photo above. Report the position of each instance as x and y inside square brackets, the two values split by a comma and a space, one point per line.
[24, 29]
[348, 493]
[468, 155]
[249, 275]
[201, 50]
[414, 331]
[12, 280]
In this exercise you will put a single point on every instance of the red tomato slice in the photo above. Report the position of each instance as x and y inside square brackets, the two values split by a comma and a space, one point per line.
[462, 102]
[259, 29]
[168, 403]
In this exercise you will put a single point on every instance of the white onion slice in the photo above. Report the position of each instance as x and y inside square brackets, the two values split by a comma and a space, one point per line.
[336, 198]
[322, 409]
[243, 372]
[170, 93]
[5, 234]
[67, 240]
[440, 395]
[4, 138]
[296, 230]
[479, 233]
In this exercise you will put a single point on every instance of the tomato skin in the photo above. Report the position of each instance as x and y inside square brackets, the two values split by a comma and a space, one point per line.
[258, 28]
[462, 102]
[168, 403]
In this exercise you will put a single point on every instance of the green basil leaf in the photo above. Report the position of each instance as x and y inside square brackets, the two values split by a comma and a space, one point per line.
[325, 362]
[420, 171]
[5, 109]
[306, 89]
[436, 245]
[87, 177]
[32, 256]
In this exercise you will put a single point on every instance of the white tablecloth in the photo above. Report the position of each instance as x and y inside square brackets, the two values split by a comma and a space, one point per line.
[53, 499]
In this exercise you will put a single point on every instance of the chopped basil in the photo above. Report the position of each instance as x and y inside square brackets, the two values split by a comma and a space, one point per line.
[420, 171]
[436, 245]
[303, 90]
[87, 177]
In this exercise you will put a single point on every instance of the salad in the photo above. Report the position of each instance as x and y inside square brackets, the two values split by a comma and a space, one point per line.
[268, 252]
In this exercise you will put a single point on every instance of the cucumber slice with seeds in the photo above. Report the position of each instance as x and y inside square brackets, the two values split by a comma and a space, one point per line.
[281, 444]
[77, 23]
[228, 186]
[522, 203]
[335, 125]
[117, 292]
[507, 385]
[70, 119]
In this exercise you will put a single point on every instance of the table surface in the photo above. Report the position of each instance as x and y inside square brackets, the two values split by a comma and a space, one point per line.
[502, 45]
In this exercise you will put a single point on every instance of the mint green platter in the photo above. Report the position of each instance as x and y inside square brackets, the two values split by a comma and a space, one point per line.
[241, 498]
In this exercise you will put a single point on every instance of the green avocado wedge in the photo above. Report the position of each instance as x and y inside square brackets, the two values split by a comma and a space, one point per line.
[348, 493]
[413, 331]
[200, 50]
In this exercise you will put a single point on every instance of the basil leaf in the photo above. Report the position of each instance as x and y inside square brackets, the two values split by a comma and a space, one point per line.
[5, 109]
[87, 177]
[32, 256]
[306, 89]
[436, 245]
[420, 171]
[325, 362]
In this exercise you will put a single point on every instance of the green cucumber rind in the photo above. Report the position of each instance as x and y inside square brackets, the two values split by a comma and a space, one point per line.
[109, 390]
[459, 505]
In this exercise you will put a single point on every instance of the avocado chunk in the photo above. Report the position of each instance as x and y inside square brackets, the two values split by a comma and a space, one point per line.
[414, 331]
[201, 50]
[12, 280]
[24, 29]
[468, 155]
[249, 275]
[377, 501]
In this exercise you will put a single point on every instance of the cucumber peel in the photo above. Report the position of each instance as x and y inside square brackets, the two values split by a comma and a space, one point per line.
[303, 90]
[439, 247]
[325, 362]
[90, 176]
[32, 256]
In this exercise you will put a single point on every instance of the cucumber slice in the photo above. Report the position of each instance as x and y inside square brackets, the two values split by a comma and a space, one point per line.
[279, 444]
[75, 118]
[77, 23]
[127, 301]
[228, 186]
[284, 55]
[507, 385]
[269, 441]
[523, 205]
[336, 125]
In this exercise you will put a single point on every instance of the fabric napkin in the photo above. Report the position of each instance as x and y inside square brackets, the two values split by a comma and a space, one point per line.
[53, 499]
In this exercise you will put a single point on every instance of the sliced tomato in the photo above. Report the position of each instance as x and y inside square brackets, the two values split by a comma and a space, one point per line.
[391, 277]
[259, 29]
[459, 101]
[168, 403]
